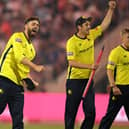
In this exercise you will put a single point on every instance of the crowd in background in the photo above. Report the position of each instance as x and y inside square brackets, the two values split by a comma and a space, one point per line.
[57, 24]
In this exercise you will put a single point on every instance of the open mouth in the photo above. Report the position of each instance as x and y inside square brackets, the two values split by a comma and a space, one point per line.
[34, 30]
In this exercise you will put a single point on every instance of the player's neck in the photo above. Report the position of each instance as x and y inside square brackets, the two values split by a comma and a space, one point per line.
[27, 36]
[80, 35]
[125, 46]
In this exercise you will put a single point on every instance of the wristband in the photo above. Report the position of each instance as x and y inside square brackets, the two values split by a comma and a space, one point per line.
[29, 83]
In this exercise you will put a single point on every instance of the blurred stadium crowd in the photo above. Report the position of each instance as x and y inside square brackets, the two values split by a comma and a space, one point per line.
[57, 24]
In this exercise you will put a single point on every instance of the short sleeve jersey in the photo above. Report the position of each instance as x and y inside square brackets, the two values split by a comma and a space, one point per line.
[16, 49]
[118, 61]
[81, 50]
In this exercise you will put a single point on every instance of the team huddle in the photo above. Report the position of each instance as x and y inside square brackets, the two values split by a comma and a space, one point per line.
[16, 62]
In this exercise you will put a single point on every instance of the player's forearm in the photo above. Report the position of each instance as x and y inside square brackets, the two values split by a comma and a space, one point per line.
[79, 65]
[107, 20]
[110, 75]
[27, 62]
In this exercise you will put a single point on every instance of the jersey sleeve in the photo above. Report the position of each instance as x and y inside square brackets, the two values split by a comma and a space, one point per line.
[96, 32]
[70, 50]
[18, 48]
[112, 60]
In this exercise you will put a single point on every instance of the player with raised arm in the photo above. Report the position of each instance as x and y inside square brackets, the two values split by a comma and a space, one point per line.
[80, 56]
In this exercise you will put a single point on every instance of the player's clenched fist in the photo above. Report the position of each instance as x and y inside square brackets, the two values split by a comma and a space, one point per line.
[112, 4]
[39, 68]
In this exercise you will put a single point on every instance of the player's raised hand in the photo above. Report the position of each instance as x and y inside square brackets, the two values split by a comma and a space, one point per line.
[112, 4]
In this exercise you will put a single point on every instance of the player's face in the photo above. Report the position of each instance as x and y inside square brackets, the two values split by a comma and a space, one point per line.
[125, 38]
[85, 28]
[32, 28]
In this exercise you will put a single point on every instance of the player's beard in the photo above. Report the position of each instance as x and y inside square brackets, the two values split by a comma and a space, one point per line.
[31, 33]
[87, 31]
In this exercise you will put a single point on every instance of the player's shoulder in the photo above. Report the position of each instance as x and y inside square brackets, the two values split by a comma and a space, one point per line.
[116, 50]
[73, 38]
[18, 34]
[98, 27]
[70, 39]
[18, 37]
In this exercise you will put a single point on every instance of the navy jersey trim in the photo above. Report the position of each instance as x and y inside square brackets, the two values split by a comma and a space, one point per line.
[115, 71]
[28, 40]
[4, 57]
[69, 72]
[124, 48]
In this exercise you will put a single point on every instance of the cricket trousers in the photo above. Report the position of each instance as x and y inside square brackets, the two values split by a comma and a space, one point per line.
[115, 104]
[13, 95]
[74, 91]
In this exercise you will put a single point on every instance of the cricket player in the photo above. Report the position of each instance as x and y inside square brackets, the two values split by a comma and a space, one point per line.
[15, 65]
[118, 76]
[80, 56]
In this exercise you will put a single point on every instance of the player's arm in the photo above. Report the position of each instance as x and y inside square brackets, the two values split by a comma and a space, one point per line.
[110, 74]
[35, 67]
[115, 89]
[71, 57]
[76, 64]
[107, 19]
[20, 55]
[111, 66]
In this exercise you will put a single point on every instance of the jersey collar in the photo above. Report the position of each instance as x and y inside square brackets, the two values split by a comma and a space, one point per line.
[124, 48]
[29, 40]
[79, 37]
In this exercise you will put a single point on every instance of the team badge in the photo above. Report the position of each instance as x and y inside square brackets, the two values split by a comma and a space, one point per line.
[1, 91]
[113, 98]
[18, 40]
[69, 53]
[69, 92]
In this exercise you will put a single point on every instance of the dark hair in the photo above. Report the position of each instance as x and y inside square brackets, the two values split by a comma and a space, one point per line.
[125, 30]
[32, 19]
[82, 20]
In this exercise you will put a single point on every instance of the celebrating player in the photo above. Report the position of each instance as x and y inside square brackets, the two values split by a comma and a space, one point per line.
[15, 65]
[117, 71]
[80, 56]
